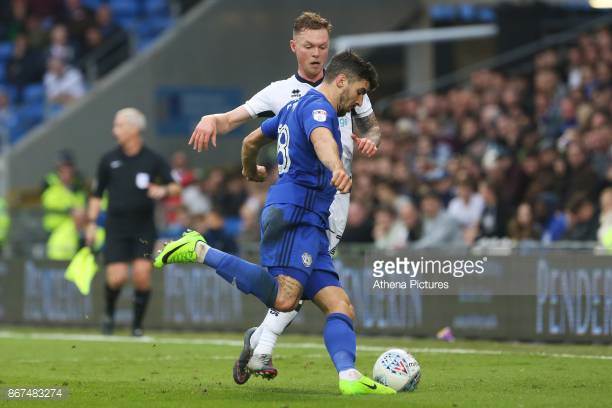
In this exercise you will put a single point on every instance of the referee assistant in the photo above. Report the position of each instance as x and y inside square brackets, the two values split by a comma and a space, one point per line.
[134, 177]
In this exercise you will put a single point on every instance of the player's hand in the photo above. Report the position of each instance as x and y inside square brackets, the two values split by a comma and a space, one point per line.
[157, 192]
[90, 234]
[365, 146]
[258, 174]
[341, 180]
[204, 132]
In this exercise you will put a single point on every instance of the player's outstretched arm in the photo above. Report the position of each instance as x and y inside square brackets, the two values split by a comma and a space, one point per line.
[250, 149]
[327, 151]
[210, 125]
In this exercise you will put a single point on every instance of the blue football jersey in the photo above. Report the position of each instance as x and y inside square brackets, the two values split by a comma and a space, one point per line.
[303, 179]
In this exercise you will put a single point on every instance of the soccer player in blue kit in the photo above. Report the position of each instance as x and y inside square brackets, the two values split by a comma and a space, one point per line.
[294, 245]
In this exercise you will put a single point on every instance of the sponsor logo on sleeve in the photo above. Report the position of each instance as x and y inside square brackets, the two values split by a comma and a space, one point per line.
[319, 115]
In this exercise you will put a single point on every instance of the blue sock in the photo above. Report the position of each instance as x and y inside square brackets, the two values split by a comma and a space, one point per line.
[248, 277]
[340, 340]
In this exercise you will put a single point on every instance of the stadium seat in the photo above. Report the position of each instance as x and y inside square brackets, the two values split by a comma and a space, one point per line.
[128, 23]
[124, 8]
[158, 24]
[10, 91]
[92, 4]
[34, 93]
[31, 113]
[6, 49]
[157, 8]
[2, 75]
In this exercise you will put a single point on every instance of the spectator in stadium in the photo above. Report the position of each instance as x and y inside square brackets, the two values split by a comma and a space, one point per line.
[358, 224]
[195, 198]
[580, 177]
[523, 225]
[439, 228]
[8, 118]
[37, 33]
[388, 231]
[63, 85]
[604, 233]
[584, 225]
[409, 214]
[184, 176]
[493, 220]
[14, 18]
[60, 46]
[215, 234]
[25, 66]
[467, 207]
[77, 19]
[135, 177]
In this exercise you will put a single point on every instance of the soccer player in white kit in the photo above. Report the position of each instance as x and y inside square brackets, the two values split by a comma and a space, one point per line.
[310, 44]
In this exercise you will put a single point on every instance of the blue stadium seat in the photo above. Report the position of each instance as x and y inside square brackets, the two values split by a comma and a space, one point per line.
[2, 74]
[128, 23]
[6, 49]
[11, 91]
[158, 24]
[34, 93]
[124, 8]
[156, 8]
[92, 4]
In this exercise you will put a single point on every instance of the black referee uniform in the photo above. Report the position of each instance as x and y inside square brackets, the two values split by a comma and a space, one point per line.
[130, 226]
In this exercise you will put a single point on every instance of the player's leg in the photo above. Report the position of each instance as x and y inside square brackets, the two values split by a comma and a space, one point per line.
[116, 276]
[263, 340]
[141, 277]
[341, 343]
[281, 293]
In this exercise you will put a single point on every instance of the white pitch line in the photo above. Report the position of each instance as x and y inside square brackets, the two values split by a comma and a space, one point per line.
[316, 346]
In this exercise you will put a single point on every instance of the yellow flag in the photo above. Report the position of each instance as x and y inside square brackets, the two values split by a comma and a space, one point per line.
[82, 270]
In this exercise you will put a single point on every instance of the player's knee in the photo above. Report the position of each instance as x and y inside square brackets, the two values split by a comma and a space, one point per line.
[116, 281]
[343, 306]
[286, 304]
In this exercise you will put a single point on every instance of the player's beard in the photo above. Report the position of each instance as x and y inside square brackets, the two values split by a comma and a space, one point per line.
[343, 105]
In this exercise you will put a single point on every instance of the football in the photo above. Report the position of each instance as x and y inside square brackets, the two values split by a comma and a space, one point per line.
[397, 369]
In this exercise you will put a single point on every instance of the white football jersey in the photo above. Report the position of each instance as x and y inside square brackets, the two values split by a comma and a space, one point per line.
[270, 100]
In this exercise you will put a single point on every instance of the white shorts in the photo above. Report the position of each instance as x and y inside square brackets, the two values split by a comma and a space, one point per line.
[338, 214]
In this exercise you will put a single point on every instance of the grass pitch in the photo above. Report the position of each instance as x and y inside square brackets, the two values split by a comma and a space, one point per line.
[184, 370]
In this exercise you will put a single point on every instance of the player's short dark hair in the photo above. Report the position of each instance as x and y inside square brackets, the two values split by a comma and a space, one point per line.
[354, 67]
[310, 20]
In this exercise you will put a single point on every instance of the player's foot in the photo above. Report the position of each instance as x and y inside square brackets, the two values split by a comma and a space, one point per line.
[240, 370]
[261, 366]
[108, 326]
[137, 332]
[364, 385]
[183, 250]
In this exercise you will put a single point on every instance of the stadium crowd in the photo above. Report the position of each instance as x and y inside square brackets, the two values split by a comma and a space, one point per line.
[524, 157]
[51, 49]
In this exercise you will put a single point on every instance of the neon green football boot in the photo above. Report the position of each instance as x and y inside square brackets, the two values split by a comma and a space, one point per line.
[363, 386]
[183, 250]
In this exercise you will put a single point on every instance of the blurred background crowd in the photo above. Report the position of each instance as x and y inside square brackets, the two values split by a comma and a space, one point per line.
[524, 157]
[51, 51]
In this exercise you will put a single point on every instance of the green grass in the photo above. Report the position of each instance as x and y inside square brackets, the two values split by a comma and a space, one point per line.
[186, 370]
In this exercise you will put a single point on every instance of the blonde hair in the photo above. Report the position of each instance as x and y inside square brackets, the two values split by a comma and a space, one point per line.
[310, 20]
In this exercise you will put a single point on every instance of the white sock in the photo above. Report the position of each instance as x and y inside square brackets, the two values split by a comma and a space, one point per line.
[201, 250]
[351, 374]
[256, 336]
[273, 326]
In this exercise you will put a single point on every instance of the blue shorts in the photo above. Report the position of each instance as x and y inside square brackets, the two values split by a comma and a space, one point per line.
[293, 244]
